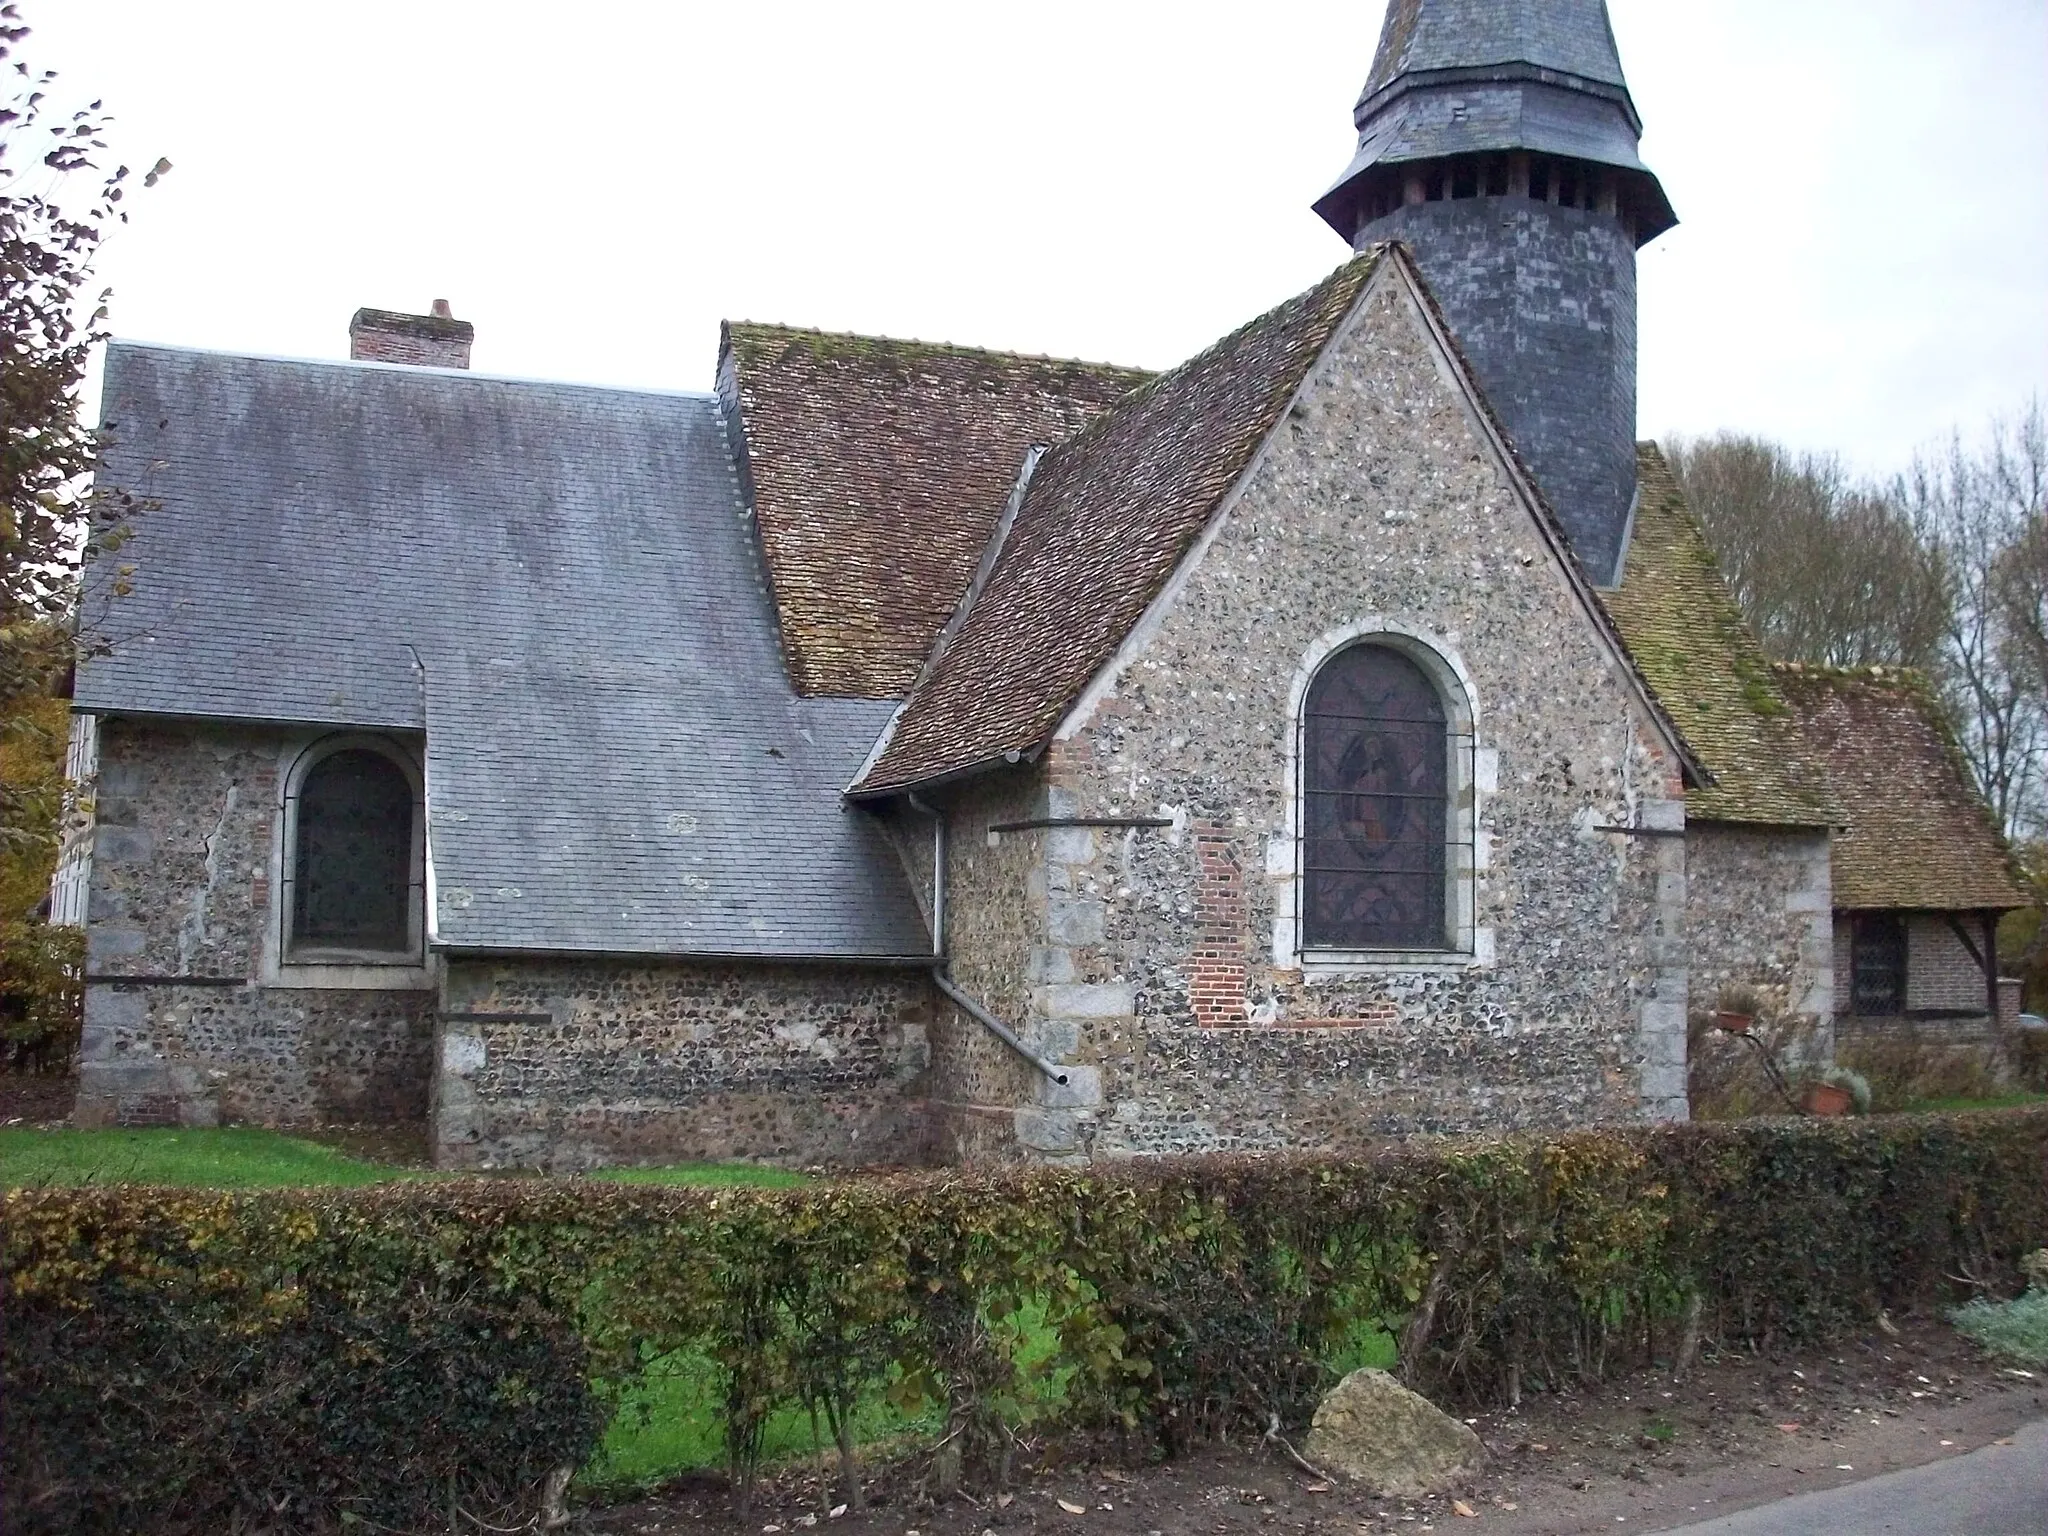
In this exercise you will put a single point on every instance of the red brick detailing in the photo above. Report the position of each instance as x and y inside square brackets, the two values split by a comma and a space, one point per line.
[1374, 1025]
[438, 340]
[1217, 989]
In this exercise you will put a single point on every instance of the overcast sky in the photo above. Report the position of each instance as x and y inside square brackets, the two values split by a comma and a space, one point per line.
[1862, 263]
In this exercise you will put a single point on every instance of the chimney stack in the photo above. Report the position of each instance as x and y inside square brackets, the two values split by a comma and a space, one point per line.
[436, 340]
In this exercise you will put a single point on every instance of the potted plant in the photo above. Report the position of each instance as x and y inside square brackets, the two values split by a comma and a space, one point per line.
[1737, 1009]
[1836, 1090]
[1826, 1099]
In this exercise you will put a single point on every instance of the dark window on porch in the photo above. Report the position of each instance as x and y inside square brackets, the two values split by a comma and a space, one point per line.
[352, 868]
[1877, 966]
[1375, 768]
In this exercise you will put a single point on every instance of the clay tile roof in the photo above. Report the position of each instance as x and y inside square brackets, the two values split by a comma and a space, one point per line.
[1919, 835]
[1690, 642]
[1105, 520]
[877, 471]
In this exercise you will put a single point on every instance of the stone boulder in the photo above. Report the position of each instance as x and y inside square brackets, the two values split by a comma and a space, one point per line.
[1374, 1430]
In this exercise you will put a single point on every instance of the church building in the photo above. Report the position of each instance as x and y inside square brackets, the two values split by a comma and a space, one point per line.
[915, 754]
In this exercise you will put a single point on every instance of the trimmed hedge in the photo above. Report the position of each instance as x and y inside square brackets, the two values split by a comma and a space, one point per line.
[413, 1356]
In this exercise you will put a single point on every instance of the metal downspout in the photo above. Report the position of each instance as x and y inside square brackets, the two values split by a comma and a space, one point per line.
[943, 978]
[996, 1026]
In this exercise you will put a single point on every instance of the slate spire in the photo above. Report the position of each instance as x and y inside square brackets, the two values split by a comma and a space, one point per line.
[1497, 138]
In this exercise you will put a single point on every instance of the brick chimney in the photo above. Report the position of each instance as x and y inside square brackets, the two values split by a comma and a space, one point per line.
[437, 340]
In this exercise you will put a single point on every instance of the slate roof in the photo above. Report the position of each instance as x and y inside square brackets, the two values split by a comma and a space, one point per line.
[1689, 641]
[878, 469]
[1919, 836]
[1572, 37]
[1104, 521]
[558, 585]
[1471, 77]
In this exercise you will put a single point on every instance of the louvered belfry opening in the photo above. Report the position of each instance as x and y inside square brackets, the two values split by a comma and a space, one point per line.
[1375, 794]
[352, 868]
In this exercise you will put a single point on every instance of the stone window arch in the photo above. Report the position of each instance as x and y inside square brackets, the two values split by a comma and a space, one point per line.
[353, 857]
[1383, 854]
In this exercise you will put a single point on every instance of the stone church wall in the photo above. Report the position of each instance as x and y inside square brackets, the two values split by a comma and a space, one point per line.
[181, 902]
[1760, 914]
[1167, 960]
[576, 1064]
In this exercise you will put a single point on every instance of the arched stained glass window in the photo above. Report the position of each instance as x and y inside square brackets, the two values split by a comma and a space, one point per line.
[1376, 764]
[352, 867]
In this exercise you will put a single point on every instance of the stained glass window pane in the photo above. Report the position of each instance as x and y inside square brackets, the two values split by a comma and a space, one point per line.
[1376, 761]
[352, 874]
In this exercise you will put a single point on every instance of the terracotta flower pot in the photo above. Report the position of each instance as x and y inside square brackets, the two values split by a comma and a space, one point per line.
[1827, 1099]
[1735, 1023]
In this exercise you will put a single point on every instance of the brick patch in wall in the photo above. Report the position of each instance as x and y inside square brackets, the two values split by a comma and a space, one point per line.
[1378, 1019]
[1218, 989]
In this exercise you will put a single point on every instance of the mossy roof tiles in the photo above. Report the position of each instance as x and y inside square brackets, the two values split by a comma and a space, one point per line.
[1690, 642]
[878, 469]
[1103, 523]
[1918, 835]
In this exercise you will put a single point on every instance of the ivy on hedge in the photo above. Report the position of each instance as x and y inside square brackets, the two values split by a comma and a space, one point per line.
[410, 1356]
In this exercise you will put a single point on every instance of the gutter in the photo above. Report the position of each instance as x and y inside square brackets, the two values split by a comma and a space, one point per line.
[943, 979]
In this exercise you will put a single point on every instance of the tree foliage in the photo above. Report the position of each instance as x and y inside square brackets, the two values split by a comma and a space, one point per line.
[1825, 570]
[1943, 568]
[57, 202]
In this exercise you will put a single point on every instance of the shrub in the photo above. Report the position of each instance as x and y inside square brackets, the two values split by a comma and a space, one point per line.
[2030, 1059]
[190, 1362]
[1906, 1069]
[291, 1358]
[1726, 1078]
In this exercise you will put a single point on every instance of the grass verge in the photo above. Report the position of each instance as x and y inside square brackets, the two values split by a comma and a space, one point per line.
[245, 1157]
[230, 1157]
[2017, 1330]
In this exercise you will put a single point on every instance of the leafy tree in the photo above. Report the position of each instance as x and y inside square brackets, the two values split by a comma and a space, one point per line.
[56, 204]
[1980, 508]
[1943, 568]
[1825, 570]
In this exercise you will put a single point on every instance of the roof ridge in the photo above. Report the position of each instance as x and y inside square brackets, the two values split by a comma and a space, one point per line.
[1023, 723]
[1874, 672]
[407, 370]
[1294, 303]
[951, 348]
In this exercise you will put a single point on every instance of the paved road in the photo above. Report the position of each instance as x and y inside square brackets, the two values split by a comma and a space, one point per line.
[2001, 1490]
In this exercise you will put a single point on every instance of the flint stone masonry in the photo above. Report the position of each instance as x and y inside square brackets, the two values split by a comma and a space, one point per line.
[567, 1065]
[1758, 914]
[1000, 907]
[1377, 499]
[181, 886]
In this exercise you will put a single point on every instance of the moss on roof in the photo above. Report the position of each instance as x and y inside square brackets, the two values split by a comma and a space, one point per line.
[1690, 641]
[1919, 836]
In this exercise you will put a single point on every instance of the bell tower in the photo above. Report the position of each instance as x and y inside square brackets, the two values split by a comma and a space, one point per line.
[1497, 139]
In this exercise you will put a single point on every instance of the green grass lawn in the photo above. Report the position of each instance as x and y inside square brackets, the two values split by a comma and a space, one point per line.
[231, 1157]
[243, 1157]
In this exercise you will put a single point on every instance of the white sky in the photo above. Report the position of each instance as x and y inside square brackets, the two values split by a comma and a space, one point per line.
[1862, 263]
